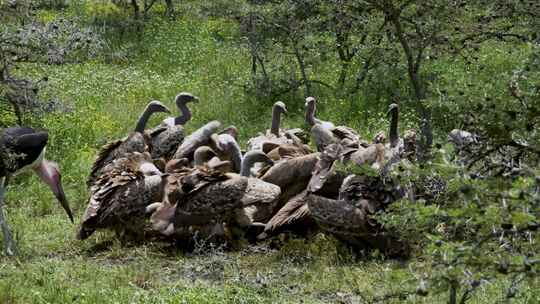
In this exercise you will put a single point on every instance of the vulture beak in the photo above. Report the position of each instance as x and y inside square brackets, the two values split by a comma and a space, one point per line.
[48, 172]
[165, 110]
[195, 99]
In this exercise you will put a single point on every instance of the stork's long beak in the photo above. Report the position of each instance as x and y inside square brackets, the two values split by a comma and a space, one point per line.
[49, 174]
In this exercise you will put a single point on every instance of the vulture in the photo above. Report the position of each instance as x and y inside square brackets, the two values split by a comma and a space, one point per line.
[251, 158]
[349, 218]
[399, 147]
[166, 137]
[295, 216]
[275, 135]
[290, 174]
[225, 145]
[135, 142]
[347, 215]
[120, 195]
[22, 149]
[194, 198]
[311, 120]
[325, 133]
[376, 154]
[181, 101]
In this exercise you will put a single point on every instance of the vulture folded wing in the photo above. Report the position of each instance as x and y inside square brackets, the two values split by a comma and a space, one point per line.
[293, 216]
[216, 201]
[135, 142]
[337, 216]
[260, 199]
[292, 171]
[348, 136]
[113, 198]
[166, 140]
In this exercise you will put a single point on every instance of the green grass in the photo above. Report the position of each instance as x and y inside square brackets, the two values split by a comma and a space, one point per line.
[203, 57]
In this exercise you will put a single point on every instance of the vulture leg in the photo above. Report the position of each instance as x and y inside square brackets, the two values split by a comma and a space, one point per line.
[10, 247]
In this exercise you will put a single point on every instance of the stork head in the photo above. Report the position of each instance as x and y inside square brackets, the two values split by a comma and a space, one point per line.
[49, 173]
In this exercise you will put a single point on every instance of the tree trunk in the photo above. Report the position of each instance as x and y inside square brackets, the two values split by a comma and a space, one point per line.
[345, 57]
[253, 65]
[343, 74]
[302, 66]
[453, 293]
[136, 9]
[413, 69]
[170, 8]
[147, 6]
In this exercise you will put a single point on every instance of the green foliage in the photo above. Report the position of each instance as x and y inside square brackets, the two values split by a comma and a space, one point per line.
[474, 232]
[103, 11]
[350, 168]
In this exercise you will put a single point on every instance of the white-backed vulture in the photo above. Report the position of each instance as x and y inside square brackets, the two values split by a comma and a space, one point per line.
[120, 195]
[168, 136]
[135, 142]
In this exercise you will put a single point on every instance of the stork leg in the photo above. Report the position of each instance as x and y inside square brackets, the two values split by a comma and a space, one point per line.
[10, 248]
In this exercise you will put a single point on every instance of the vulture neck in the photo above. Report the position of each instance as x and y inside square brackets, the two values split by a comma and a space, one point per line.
[247, 163]
[143, 119]
[236, 156]
[276, 118]
[250, 158]
[232, 151]
[186, 114]
[393, 133]
[310, 114]
[202, 155]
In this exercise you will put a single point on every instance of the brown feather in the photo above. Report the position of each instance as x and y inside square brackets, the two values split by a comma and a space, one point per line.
[165, 140]
[135, 142]
[118, 197]
[293, 216]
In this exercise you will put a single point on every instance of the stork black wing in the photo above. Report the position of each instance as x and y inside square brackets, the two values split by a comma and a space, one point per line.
[23, 146]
